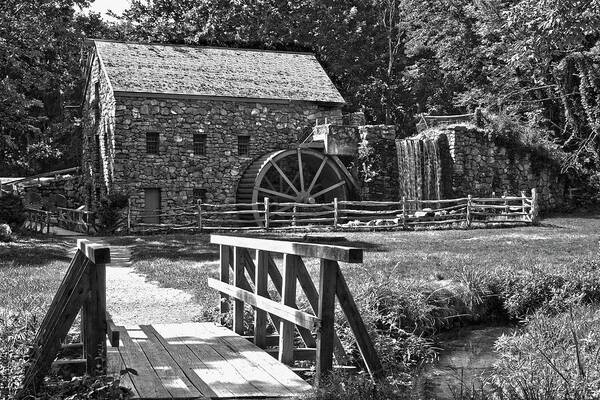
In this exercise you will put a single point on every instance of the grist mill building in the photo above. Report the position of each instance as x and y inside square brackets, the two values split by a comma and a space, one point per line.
[170, 124]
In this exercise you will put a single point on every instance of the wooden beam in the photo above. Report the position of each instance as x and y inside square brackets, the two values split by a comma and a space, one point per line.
[324, 251]
[112, 331]
[270, 340]
[277, 279]
[363, 340]
[97, 253]
[93, 320]
[261, 289]
[312, 295]
[327, 285]
[238, 305]
[224, 277]
[298, 317]
[301, 354]
[288, 298]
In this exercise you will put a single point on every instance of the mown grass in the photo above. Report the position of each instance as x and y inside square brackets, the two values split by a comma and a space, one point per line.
[30, 273]
[410, 286]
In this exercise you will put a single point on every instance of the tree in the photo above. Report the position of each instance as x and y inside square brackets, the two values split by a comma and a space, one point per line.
[39, 70]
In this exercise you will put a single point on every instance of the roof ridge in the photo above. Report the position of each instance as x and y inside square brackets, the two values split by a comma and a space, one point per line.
[88, 40]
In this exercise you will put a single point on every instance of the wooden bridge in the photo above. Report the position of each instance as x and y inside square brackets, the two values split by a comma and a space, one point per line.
[206, 360]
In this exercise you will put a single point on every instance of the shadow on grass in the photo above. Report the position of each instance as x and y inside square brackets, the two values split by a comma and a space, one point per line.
[32, 252]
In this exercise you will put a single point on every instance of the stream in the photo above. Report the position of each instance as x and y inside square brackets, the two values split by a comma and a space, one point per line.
[466, 354]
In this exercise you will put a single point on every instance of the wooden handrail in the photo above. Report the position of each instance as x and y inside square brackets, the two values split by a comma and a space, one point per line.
[287, 319]
[325, 251]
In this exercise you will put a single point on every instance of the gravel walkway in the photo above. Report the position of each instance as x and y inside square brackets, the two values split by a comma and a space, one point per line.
[132, 301]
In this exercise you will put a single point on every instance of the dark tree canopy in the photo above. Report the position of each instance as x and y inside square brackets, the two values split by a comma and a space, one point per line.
[532, 65]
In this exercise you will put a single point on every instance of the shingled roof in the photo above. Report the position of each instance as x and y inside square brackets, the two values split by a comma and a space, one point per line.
[215, 72]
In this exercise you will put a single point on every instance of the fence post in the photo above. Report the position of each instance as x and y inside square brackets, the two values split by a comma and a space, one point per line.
[199, 215]
[403, 212]
[294, 210]
[534, 206]
[47, 223]
[129, 215]
[523, 210]
[469, 210]
[504, 196]
[335, 213]
[267, 212]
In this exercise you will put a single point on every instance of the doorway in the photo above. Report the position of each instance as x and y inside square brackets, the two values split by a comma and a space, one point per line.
[152, 206]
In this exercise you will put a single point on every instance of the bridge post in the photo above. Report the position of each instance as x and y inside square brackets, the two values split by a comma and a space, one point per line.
[326, 313]
[93, 320]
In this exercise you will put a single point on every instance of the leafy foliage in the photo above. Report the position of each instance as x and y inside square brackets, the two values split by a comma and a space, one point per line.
[110, 210]
[555, 357]
[12, 210]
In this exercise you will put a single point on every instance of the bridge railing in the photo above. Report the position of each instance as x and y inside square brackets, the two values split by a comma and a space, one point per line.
[82, 288]
[37, 220]
[246, 264]
[75, 219]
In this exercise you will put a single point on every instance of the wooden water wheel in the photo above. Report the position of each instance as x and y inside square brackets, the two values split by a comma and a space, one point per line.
[301, 175]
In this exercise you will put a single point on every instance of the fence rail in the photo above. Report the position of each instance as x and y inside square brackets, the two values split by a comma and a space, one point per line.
[76, 219]
[342, 215]
[37, 220]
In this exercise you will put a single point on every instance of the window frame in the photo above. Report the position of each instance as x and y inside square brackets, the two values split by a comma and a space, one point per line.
[152, 139]
[243, 146]
[199, 144]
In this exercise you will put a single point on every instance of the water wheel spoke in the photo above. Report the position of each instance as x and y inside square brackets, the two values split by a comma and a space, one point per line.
[330, 188]
[278, 194]
[268, 182]
[300, 171]
[284, 176]
[314, 181]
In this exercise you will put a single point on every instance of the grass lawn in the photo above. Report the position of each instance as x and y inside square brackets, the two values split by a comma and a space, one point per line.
[397, 287]
[414, 257]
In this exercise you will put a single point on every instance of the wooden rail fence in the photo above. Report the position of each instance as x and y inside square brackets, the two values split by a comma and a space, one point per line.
[37, 220]
[246, 264]
[78, 220]
[350, 215]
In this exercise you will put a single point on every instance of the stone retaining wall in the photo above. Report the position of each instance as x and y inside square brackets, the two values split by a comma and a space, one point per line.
[481, 166]
[377, 163]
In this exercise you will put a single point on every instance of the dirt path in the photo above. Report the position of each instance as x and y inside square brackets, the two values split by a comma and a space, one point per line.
[132, 300]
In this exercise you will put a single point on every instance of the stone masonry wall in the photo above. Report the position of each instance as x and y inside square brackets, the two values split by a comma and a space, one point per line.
[68, 188]
[377, 163]
[176, 170]
[98, 136]
[481, 166]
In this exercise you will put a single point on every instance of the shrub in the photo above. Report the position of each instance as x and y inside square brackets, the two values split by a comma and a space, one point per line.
[345, 386]
[12, 210]
[5, 233]
[17, 332]
[110, 210]
[554, 357]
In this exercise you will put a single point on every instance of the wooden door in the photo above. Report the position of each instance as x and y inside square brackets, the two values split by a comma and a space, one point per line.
[152, 206]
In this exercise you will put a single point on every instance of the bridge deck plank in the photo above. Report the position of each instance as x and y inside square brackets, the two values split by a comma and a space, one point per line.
[199, 361]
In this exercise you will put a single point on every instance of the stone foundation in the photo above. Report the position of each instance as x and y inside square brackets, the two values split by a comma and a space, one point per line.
[377, 163]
